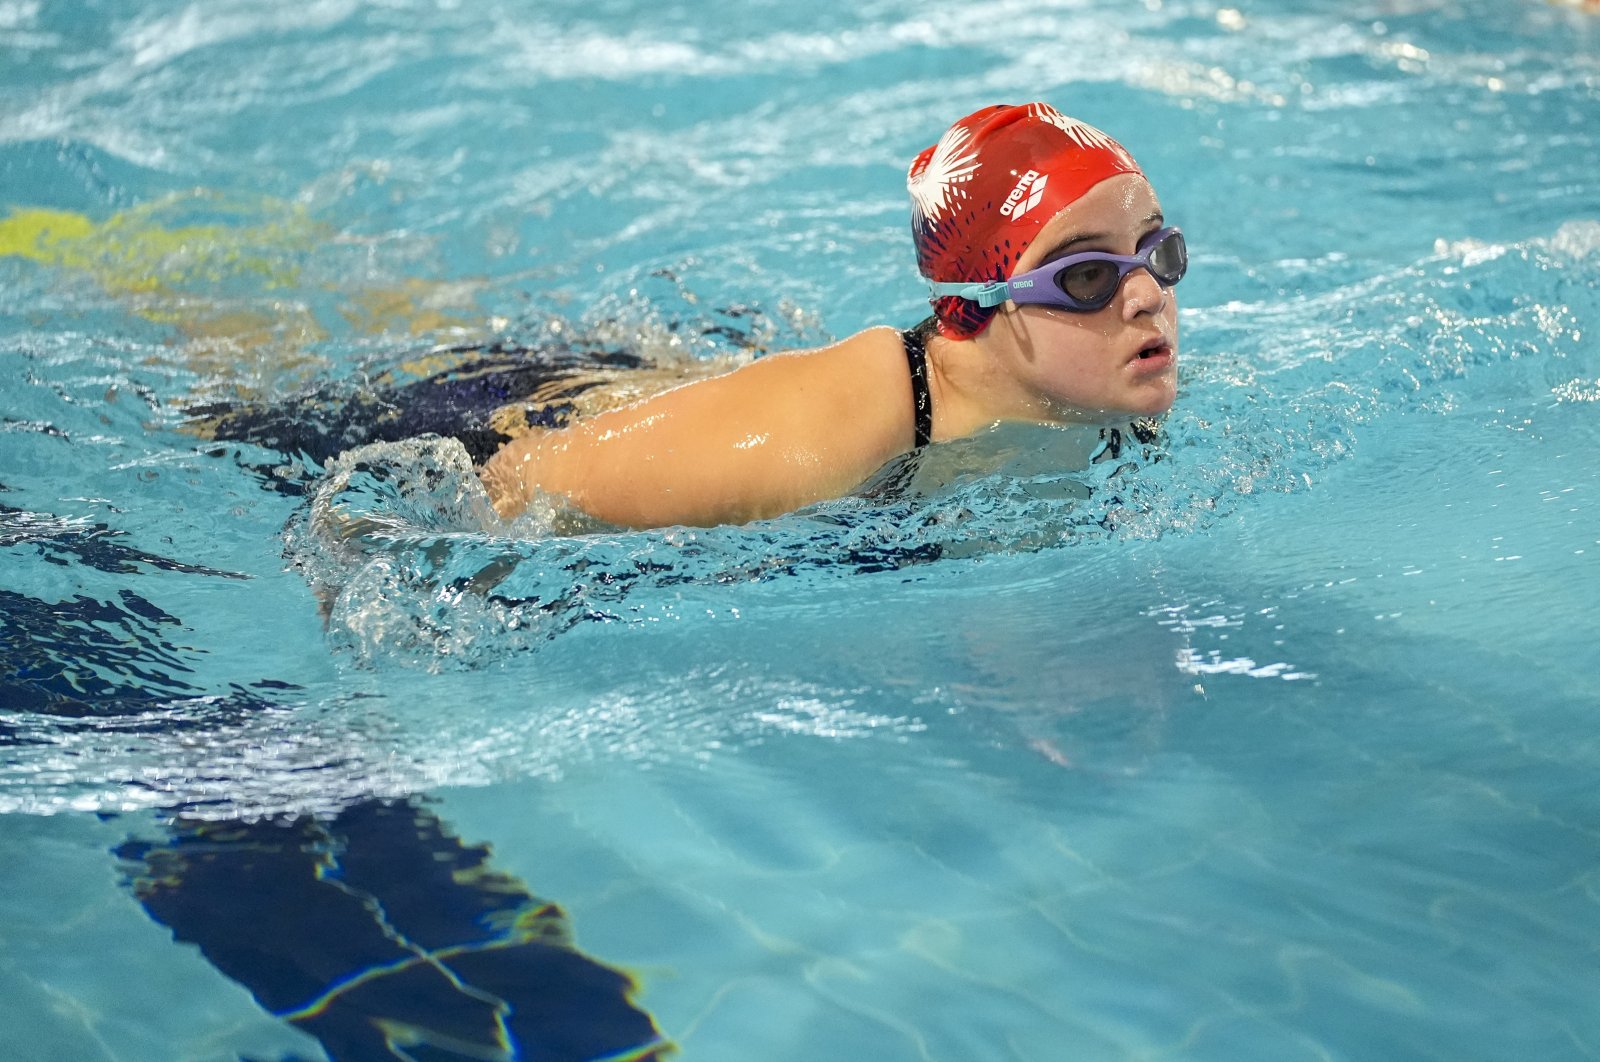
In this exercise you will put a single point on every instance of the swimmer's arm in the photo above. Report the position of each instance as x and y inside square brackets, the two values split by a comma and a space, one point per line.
[763, 440]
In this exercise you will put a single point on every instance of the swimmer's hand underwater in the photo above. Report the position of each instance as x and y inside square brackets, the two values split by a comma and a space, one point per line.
[1082, 329]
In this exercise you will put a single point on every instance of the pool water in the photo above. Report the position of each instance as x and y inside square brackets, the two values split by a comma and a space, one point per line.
[1273, 740]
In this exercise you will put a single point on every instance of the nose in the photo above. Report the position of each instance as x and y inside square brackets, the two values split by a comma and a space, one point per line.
[1141, 293]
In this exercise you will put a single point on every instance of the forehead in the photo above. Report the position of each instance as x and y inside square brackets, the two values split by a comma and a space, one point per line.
[1118, 207]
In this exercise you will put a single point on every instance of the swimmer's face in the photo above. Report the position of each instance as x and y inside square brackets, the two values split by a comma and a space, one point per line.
[1113, 362]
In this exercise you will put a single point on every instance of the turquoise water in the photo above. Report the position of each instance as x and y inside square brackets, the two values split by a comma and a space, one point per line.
[1279, 746]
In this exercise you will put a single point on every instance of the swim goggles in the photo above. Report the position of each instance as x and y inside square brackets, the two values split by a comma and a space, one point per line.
[1081, 283]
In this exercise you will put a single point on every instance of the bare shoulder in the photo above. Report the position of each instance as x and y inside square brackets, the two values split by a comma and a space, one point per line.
[862, 367]
[851, 399]
[768, 437]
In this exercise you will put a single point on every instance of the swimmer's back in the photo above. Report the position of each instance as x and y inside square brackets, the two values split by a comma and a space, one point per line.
[770, 437]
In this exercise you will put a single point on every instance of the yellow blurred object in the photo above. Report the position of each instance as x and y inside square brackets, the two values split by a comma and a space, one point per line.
[136, 251]
[239, 280]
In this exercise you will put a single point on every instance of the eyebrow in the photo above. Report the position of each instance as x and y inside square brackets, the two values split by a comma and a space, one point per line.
[1154, 218]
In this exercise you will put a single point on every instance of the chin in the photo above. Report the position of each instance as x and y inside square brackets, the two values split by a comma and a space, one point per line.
[1155, 405]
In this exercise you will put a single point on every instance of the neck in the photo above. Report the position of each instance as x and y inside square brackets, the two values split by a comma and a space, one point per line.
[971, 391]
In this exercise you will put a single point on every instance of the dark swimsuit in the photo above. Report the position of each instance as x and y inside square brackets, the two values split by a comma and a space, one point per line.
[915, 341]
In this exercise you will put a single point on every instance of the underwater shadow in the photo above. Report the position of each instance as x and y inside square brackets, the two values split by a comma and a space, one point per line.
[383, 936]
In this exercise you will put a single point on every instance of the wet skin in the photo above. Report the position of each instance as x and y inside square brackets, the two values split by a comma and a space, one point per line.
[1053, 365]
[793, 429]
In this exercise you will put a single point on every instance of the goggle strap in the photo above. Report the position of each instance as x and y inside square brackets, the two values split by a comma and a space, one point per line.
[991, 294]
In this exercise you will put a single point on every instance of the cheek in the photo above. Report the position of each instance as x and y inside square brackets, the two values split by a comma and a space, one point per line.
[1073, 357]
[1085, 344]
[1060, 332]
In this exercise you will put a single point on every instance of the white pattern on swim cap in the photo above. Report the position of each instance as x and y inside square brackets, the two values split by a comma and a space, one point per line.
[1082, 134]
[935, 187]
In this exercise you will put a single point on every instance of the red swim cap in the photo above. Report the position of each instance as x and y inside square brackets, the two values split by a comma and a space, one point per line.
[982, 193]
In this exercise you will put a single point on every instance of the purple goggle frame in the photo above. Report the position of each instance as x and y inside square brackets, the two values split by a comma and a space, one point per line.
[1081, 283]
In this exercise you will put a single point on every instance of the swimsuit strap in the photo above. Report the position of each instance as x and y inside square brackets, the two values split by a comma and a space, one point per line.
[915, 341]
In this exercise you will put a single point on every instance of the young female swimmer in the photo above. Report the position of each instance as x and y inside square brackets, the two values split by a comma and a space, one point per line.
[1051, 268]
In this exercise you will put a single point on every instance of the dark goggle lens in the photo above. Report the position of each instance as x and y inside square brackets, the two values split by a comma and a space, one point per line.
[1169, 259]
[1090, 283]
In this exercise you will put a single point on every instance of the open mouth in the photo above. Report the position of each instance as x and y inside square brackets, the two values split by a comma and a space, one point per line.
[1153, 349]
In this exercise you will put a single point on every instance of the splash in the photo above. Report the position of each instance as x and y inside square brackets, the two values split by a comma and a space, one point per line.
[417, 571]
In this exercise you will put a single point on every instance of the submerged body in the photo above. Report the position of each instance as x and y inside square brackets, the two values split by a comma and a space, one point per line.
[797, 428]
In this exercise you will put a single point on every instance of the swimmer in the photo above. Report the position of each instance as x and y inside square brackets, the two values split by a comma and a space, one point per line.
[1051, 270]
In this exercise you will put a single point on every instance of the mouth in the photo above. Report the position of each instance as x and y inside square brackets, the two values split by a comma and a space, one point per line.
[1157, 347]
